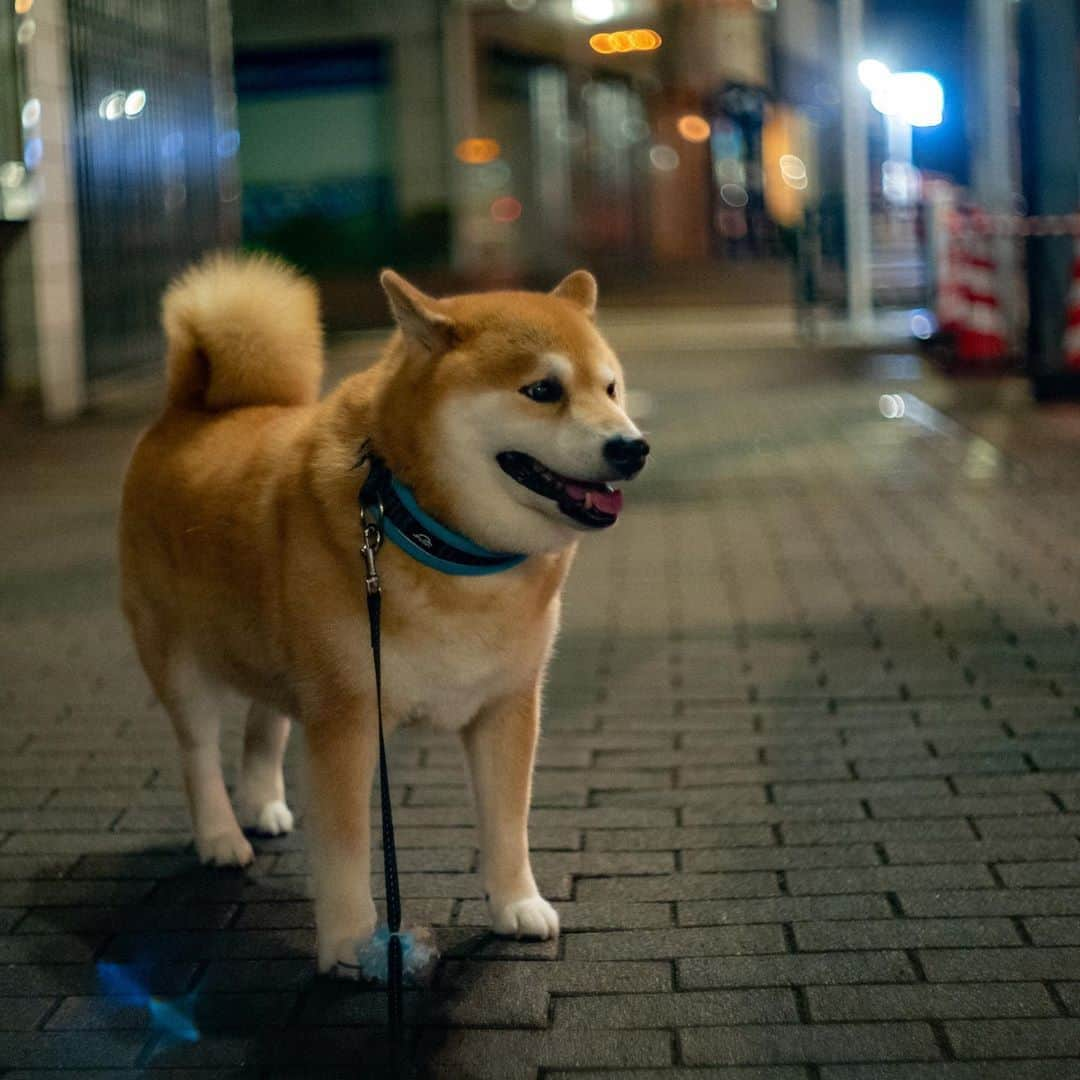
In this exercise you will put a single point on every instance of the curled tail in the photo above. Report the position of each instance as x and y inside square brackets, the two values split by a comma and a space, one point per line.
[242, 330]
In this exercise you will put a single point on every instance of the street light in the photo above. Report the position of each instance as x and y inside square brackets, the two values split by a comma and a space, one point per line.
[873, 73]
[907, 99]
[914, 97]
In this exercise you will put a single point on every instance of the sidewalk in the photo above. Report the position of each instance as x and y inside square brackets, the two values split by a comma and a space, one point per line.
[808, 799]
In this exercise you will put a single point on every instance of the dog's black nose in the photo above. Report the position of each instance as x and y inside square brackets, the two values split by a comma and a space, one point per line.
[626, 455]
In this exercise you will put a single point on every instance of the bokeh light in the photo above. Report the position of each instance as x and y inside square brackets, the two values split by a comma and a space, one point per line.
[664, 158]
[693, 128]
[134, 103]
[625, 41]
[477, 151]
[505, 209]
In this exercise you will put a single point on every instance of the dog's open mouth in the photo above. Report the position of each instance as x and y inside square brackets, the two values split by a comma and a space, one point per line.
[589, 503]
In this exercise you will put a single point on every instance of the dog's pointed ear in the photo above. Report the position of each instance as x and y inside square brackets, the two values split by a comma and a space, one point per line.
[417, 313]
[579, 288]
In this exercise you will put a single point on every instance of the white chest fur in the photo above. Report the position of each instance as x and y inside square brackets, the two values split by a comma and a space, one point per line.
[443, 668]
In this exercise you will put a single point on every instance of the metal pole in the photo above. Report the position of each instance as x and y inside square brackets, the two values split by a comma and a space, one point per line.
[995, 183]
[856, 168]
[1049, 101]
[459, 83]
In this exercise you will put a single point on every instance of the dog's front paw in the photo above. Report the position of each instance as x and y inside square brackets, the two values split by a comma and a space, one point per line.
[529, 917]
[342, 957]
[225, 849]
[272, 819]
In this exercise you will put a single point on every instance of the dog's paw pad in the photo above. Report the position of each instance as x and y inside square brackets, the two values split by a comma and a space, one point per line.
[225, 849]
[532, 917]
[273, 819]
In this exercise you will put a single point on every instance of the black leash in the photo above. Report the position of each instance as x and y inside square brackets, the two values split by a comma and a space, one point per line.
[394, 972]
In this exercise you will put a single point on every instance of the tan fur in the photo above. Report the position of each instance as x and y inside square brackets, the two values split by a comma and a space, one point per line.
[242, 332]
[240, 540]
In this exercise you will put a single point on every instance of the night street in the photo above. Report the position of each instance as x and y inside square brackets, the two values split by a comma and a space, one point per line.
[807, 798]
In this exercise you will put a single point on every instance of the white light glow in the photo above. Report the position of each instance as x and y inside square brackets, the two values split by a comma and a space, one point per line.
[664, 158]
[734, 195]
[112, 105]
[593, 11]
[922, 325]
[134, 103]
[891, 406]
[31, 112]
[913, 96]
[873, 73]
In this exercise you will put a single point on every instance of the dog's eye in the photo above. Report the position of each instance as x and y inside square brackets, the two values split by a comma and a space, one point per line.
[545, 391]
[611, 390]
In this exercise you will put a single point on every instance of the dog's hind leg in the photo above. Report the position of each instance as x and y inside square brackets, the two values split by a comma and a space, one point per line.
[261, 793]
[193, 703]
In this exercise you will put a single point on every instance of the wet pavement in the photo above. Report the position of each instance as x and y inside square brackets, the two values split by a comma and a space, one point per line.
[808, 799]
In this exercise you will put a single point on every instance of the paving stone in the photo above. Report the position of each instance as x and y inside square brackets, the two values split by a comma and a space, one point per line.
[1029, 1069]
[735, 1072]
[904, 934]
[1059, 1037]
[816, 1043]
[1040, 874]
[267, 974]
[1028, 825]
[50, 1050]
[780, 858]
[24, 1013]
[969, 902]
[28, 980]
[47, 948]
[868, 831]
[652, 944]
[794, 970]
[1054, 931]
[1029, 849]
[1069, 992]
[690, 1008]
[946, 765]
[782, 909]
[9, 918]
[929, 1001]
[990, 965]
[63, 893]
[889, 878]
[726, 837]
[583, 915]
[209, 1012]
[499, 1054]
[862, 789]
[19, 867]
[677, 887]
[843, 810]
[968, 806]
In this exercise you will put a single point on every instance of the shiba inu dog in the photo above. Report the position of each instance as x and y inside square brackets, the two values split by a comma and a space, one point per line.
[498, 425]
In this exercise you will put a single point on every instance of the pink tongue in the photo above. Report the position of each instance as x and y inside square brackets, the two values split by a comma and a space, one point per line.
[607, 502]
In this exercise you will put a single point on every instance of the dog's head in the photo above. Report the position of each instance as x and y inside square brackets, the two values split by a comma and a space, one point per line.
[504, 411]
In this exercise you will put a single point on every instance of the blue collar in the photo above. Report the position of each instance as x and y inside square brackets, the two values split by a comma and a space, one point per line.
[419, 535]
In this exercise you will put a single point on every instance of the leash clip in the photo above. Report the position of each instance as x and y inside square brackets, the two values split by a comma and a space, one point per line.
[372, 542]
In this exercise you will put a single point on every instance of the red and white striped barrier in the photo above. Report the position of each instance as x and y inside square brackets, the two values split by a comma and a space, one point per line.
[1072, 317]
[982, 337]
[1015, 224]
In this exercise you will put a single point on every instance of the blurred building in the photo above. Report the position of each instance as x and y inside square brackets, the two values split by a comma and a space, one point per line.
[470, 142]
[118, 132]
[487, 141]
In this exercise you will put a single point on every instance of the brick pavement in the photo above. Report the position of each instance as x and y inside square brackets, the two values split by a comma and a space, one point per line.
[808, 798]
